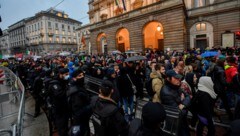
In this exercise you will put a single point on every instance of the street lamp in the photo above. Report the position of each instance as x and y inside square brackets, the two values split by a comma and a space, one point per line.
[159, 28]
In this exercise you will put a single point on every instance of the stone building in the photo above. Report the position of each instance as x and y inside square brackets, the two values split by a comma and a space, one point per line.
[51, 31]
[4, 43]
[17, 37]
[162, 24]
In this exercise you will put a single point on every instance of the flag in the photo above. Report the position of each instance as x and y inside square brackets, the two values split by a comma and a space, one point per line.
[117, 3]
[2, 76]
[83, 40]
[19, 55]
[124, 6]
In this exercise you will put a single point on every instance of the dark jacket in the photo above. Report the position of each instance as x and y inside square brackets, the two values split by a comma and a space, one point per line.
[57, 90]
[37, 86]
[116, 94]
[125, 86]
[205, 104]
[107, 119]
[219, 79]
[171, 95]
[79, 104]
[138, 129]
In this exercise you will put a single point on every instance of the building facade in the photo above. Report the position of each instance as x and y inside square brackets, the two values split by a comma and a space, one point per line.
[4, 43]
[162, 24]
[17, 37]
[51, 31]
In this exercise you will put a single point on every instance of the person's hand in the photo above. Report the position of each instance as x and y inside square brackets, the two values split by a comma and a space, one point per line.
[182, 97]
[181, 106]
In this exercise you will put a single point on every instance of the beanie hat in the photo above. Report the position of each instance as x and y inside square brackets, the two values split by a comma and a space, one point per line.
[110, 71]
[153, 114]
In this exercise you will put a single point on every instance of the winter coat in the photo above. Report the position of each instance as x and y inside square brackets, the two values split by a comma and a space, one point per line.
[115, 94]
[136, 128]
[171, 95]
[115, 123]
[125, 86]
[219, 79]
[188, 84]
[157, 84]
[58, 95]
[206, 104]
[230, 72]
[79, 104]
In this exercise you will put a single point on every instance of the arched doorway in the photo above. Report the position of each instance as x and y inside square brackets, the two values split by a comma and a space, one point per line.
[102, 43]
[122, 40]
[153, 36]
[201, 35]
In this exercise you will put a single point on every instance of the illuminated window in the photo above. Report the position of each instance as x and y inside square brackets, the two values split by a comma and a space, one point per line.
[64, 40]
[201, 27]
[59, 14]
[50, 39]
[69, 40]
[57, 39]
[56, 32]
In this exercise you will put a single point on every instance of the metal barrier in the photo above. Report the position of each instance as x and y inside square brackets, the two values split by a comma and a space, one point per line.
[12, 104]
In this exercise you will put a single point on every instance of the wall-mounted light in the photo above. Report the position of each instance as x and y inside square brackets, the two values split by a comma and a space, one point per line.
[159, 28]
[161, 33]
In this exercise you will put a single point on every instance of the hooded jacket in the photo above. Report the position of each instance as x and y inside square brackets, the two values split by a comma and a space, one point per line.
[230, 72]
[114, 123]
[157, 84]
[205, 97]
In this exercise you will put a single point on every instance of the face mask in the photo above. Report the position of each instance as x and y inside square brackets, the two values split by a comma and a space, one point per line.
[80, 81]
[66, 77]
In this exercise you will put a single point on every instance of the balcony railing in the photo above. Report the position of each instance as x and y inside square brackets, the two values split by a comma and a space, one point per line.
[158, 6]
[213, 8]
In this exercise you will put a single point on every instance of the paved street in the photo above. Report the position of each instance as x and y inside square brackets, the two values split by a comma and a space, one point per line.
[32, 126]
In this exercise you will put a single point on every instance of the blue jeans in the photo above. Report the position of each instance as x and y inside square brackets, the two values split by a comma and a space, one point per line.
[128, 102]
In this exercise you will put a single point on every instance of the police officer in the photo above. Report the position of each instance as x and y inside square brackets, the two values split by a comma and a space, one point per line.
[107, 119]
[37, 88]
[79, 103]
[58, 88]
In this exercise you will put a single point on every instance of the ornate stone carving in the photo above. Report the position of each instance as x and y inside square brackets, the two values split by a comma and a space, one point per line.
[104, 16]
[137, 4]
[118, 11]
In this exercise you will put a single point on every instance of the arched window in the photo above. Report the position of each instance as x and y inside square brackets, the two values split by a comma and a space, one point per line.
[201, 27]
[199, 3]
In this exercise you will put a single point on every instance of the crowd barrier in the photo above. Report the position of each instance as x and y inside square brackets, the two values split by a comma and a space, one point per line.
[172, 121]
[12, 104]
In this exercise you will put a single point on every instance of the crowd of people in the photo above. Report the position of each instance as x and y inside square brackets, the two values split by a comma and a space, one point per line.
[185, 80]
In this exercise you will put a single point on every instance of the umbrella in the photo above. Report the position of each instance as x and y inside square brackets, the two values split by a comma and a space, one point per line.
[209, 54]
[130, 51]
[116, 52]
[135, 58]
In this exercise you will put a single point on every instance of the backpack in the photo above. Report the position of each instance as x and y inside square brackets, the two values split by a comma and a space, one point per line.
[102, 123]
[149, 88]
